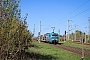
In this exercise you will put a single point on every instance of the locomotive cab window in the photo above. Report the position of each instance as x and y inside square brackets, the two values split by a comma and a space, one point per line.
[55, 35]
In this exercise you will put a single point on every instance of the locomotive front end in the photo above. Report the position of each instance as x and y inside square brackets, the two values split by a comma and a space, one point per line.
[54, 38]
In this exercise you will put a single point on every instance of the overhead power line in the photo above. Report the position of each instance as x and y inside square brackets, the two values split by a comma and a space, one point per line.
[80, 6]
[71, 13]
[77, 14]
[46, 28]
[75, 10]
[80, 13]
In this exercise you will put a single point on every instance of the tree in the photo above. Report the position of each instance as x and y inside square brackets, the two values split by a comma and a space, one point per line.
[78, 35]
[14, 35]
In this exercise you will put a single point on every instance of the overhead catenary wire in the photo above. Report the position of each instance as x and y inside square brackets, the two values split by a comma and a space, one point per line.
[73, 12]
[79, 13]
[80, 6]
[76, 10]
[46, 28]
[76, 15]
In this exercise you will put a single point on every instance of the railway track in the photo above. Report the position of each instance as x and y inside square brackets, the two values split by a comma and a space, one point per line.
[74, 50]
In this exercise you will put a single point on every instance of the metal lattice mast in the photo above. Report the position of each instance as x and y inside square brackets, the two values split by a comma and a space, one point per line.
[68, 28]
[34, 30]
[85, 34]
[89, 29]
[75, 31]
[40, 33]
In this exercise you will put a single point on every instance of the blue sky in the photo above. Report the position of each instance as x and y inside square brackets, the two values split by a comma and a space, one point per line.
[56, 13]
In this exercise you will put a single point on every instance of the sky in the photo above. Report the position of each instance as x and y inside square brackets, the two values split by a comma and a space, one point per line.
[56, 13]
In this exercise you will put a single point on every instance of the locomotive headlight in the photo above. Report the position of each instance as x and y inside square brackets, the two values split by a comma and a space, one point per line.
[52, 39]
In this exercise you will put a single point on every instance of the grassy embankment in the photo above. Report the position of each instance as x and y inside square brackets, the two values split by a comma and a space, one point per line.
[47, 52]
[70, 43]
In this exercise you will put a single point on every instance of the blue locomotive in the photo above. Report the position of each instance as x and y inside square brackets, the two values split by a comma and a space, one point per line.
[52, 37]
